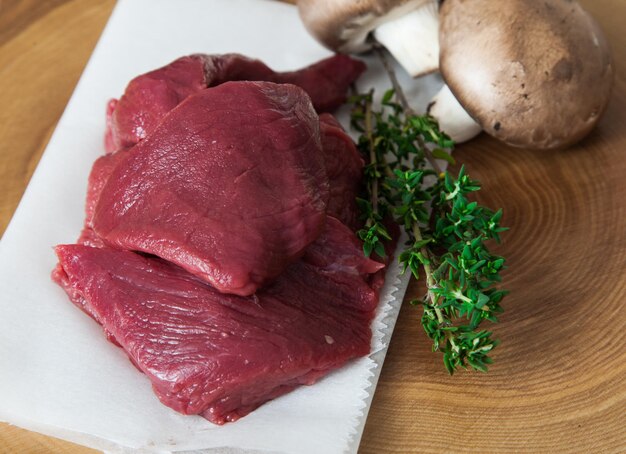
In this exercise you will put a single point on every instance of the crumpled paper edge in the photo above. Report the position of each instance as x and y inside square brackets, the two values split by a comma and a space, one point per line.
[392, 296]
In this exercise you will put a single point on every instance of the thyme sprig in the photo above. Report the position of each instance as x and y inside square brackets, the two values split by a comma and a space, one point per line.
[447, 233]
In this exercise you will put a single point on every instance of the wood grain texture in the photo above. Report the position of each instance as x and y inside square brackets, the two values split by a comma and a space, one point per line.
[559, 382]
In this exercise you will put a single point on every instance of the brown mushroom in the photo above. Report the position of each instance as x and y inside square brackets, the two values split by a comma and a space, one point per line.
[533, 73]
[408, 29]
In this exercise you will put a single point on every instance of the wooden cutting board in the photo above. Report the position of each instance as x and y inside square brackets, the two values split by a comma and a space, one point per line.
[559, 380]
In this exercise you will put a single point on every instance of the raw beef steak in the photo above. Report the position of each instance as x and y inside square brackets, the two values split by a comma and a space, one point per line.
[100, 173]
[150, 96]
[221, 356]
[344, 167]
[231, 186]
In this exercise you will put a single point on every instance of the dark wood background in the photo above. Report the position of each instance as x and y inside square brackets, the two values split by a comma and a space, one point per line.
[559, 381]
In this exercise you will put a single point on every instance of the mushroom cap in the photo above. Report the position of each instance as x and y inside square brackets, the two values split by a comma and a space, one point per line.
[344, 25]
[532, 73]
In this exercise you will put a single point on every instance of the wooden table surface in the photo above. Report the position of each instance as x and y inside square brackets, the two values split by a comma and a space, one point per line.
[559, 379]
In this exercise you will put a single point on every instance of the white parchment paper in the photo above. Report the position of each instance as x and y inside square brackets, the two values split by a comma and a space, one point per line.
[58, 374]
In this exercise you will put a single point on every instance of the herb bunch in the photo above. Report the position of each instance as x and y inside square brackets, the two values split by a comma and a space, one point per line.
[447, 233]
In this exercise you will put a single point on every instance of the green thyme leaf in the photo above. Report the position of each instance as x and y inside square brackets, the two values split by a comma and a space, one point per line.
[448, 233]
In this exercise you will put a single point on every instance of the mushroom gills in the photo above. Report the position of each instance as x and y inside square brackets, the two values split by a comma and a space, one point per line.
[413, 37]
[452, 117]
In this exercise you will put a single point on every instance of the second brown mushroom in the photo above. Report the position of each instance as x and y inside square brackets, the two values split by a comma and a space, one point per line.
[531, 73]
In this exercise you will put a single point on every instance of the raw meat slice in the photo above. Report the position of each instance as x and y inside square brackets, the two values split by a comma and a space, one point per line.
[150, 96]
[110, 144]
[344, 167]
[89, 238]
[100, 173]
[231, 186]
[221, 356]
[327, 81]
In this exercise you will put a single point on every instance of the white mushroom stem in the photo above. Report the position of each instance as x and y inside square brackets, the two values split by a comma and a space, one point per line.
[413, 37]
[452, 117]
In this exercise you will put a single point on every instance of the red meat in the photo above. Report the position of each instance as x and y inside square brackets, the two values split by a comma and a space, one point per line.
[221, 356]
[150, 96]
[344, 167]
[231, 186]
